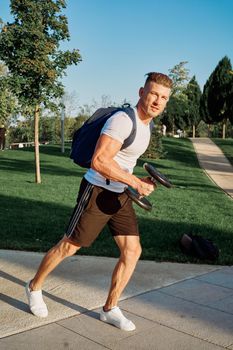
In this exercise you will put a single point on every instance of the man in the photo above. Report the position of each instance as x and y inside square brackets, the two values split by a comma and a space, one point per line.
[100, 202]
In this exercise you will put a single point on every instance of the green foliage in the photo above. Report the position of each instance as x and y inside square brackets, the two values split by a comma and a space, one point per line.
[226, 146]
[229, 100]
[50, 129]
[180, 76]
[8, 105]
[216, 100]
[204, 110]
[155, 149]
[202, 129]
[215, 130]
[193, 93]
[221, 81]
[8, 102]
[21, 132]
[174, 117]
[29, 46]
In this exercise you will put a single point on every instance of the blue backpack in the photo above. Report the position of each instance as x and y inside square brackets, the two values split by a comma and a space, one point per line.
[86, 137]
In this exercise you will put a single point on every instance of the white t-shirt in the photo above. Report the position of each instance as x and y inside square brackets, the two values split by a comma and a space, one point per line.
[119, 127]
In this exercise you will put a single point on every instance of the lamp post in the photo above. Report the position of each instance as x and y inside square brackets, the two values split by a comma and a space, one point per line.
[62, 126]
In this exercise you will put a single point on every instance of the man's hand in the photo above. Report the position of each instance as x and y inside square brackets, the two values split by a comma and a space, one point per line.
[104, 163]
[145, 186]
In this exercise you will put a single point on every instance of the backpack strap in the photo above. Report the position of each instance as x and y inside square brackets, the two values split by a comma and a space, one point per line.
[129, 140]
[131, 113]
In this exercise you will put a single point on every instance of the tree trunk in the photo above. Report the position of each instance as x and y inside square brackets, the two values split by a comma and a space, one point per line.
[194, 131]
[224, 128]
[36, 140]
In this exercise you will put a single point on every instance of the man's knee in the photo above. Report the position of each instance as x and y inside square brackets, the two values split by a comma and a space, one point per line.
[66, 248]
[132, 252]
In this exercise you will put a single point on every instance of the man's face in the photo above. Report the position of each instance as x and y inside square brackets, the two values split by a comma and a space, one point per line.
[153, 99]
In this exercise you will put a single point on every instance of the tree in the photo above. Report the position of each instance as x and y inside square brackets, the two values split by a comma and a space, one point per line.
[70, 101]
[174, 115]
[29, 46]
[216, 98]
[193, 93]
[155, 149]
[8, 102]
[180, 76]
[230, 99]
[20, 132]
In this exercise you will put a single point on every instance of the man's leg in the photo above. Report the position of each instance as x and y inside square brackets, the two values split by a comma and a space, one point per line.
[52, 259]
[130, 249]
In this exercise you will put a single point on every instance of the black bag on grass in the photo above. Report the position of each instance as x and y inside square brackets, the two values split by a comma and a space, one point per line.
[199, 247]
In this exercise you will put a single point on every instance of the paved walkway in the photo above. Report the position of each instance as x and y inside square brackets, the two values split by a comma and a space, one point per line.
[215, 164]
[174, 306]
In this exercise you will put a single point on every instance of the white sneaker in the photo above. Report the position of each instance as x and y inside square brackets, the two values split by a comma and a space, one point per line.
[36, 302]
[116, 318]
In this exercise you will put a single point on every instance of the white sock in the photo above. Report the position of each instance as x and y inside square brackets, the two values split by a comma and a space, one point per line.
[36, 302]
[116, 318]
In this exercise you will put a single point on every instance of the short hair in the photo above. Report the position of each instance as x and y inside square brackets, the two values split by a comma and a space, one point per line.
[159, 78]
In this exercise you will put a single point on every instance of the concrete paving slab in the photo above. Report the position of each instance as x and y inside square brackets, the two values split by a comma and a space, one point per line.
[223, 277]
[49, 337]
[225, 305]
[193, 319]
[89, 326]
[214, 163]
[87, 332]
[199, 292]
[203, 292]
[164, 338]
[78, 285]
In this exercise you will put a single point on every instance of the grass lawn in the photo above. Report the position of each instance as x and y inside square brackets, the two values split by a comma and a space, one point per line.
[226, 146]
[33, 217]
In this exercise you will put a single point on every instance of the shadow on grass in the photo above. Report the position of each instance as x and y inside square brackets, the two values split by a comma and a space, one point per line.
[37, 226]
[28, 166]
[53, 150]
[226, 145]
[30, 224]
[183, 179]
[177, 150]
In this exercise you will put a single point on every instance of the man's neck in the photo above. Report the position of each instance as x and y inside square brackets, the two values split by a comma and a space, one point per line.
[143, 116]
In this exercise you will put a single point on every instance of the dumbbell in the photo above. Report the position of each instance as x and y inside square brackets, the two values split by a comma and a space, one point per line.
[155, 177]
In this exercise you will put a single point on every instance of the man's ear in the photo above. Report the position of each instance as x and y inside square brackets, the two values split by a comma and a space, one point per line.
[141, 90]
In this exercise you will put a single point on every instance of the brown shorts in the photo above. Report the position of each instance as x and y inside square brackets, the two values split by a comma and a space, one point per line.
[97, 207]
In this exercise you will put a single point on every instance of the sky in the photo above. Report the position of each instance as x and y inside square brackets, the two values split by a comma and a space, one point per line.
[122, 40]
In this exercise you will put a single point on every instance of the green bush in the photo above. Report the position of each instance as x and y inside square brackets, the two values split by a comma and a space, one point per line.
[155, 149]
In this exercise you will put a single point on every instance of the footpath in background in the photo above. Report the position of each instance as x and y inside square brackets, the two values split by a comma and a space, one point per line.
[214, 163]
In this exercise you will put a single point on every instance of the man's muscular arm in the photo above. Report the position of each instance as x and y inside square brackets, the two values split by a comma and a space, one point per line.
[103, 162]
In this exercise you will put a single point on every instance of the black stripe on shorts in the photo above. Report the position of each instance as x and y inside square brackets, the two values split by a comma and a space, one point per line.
[81, 205]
